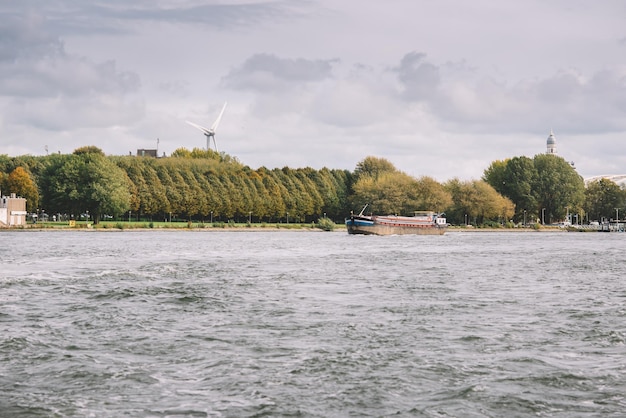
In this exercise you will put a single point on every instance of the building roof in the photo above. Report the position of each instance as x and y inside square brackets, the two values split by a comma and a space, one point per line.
[619, 179]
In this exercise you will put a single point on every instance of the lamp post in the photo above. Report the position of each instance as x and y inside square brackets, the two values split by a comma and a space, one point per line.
[249, 217]
[211, 216]
[466, 219]
[543, 216]
[524, 218]
[287, 217]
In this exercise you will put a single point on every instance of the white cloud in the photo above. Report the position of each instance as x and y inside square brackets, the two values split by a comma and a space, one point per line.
[42, 87]
[268, 73]
[439, 88]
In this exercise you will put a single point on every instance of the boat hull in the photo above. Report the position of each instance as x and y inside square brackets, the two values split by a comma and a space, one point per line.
[393, 225]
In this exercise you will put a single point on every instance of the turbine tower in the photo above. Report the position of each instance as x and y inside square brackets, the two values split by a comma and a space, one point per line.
[210, 132]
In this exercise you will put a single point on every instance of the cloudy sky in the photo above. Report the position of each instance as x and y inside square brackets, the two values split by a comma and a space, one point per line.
[439, 88]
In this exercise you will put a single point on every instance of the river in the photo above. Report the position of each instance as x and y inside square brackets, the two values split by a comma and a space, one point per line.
[311, 324]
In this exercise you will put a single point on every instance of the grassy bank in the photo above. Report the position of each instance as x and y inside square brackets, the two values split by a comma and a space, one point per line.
[137, 225]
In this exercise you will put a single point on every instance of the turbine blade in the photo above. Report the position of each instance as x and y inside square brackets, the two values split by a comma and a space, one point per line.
[217, 121]
[202, 128]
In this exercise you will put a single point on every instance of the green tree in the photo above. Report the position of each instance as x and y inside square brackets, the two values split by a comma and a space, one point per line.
[343, 181]
[517, 184]
[431, 195]
[89, 149]
[188, 204]
[260, 197]
[240, 194]
[390, 191]
[385, 193]
[218, 200]
[514, 178]
[604, 199]
[373, 166]
[87, 181]
[207, 193]
[557, 189]
[276, 191]
[137, 187]
[494, 175]
[289, 191]
[197, 202]
[154, 199]
[198, 153]
[313, 201]
[477, 202]
[181, 153]
[491, 204]
[5, 164]
[331, 192]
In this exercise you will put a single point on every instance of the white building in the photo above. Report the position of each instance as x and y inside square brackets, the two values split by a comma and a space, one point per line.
[551, 144]
[619, 179]
[12, 211]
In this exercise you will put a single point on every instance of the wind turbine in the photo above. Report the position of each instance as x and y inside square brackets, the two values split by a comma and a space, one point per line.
[210, 132]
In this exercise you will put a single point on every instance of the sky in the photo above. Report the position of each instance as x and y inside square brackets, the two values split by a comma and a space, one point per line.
[439, 88]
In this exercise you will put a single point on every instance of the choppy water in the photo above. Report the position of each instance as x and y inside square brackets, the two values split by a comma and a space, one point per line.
[242, 324]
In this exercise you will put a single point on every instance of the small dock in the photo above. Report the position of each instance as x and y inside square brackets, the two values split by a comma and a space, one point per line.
[613, 226]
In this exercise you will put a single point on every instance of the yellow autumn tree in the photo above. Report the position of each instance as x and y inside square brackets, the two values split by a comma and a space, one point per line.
[20, 182]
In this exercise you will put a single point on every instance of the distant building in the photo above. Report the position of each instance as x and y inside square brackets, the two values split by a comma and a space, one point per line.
[12, 211]
[147, 153]
[551, 147]
[551, 144]
[619, 179]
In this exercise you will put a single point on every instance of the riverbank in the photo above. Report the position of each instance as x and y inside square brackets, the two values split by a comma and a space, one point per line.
[521, 230]
[108, 226]
[167, 226]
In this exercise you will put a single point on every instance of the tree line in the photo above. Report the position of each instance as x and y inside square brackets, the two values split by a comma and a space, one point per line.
[207, 186]
[549, 189]
[190, 185]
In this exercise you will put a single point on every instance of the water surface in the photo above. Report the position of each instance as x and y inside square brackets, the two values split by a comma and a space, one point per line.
[299, 323]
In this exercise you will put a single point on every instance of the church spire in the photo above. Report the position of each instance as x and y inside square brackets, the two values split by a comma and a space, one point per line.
[551, 143]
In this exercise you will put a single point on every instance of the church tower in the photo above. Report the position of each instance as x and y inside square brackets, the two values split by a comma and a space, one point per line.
[551, 144]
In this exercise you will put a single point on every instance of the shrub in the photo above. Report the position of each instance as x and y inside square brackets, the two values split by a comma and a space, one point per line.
[491, 224]
[326, 224]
